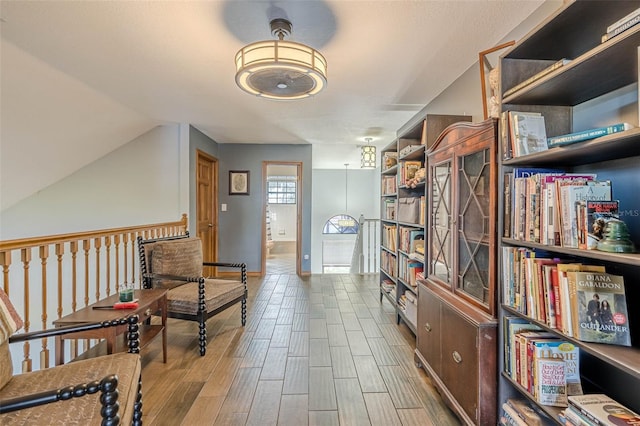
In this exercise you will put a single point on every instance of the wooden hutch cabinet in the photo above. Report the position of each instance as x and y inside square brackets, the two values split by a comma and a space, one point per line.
[456, 331]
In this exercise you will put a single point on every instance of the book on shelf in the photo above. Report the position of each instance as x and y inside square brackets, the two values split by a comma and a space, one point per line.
[625, 24]
[389, 185]
[554, 198]
[602, 308]
[527, 210]
[551, 382]
[510, 417]
[567, 352]
[505, 142]
[527, 133]
[571, 282]
[548, 290]
[572, 194]
[524, 411]
[506, 206]
[536, 77]
[600, 409]
[594, 216]
[409, 149]
[513, 326]
[524, 357]
[586, 135]
[623, 20]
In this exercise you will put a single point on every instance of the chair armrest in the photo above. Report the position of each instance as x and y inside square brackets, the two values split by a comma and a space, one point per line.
[171, 277]
[225, 264]
[242, 266]
[107, 385]
[133, 335]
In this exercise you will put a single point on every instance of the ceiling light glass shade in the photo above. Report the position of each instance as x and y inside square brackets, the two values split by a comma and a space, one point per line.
[368, 157]
[279, 69]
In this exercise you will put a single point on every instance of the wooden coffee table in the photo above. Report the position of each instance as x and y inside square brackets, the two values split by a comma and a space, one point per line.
[150, 302]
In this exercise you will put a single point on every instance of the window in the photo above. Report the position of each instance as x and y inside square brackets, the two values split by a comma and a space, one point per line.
[281, 190]
[341, 224]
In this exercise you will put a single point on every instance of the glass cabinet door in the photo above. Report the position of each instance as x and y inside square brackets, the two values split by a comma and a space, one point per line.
[440, 265]
[473, 225]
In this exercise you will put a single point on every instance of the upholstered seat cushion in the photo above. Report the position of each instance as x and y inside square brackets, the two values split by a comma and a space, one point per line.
[184, 299]
[181, 257]
[83, 410]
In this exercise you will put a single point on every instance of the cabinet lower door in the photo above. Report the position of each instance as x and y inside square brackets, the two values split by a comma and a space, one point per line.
[428, 328]
[460, 360]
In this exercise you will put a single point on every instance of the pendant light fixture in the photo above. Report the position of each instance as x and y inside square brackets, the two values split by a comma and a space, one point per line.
[279, 69]
[368, 155]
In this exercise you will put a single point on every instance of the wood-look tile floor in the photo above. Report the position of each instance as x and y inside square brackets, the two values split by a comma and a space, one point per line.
[318, 350]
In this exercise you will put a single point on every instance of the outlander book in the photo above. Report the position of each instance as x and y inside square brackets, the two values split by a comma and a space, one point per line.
[602, 309]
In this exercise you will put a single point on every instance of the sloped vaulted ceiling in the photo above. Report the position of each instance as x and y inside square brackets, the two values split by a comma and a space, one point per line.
[80, 78]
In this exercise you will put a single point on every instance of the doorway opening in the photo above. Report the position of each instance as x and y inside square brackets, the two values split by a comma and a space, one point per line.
[282, 213]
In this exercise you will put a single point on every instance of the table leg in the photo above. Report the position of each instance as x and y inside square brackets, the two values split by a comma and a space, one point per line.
[164, 329]
[59, 351]
[111, 340]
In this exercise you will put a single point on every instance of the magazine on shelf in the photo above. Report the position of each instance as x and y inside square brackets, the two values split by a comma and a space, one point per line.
[551, 382]
[593, 217]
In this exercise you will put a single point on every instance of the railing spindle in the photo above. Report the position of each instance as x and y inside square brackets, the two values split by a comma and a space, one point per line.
[109, 257]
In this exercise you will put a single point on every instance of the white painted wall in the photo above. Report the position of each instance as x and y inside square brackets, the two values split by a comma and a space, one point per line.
[138, 183]
[283, 222]
[328, 198]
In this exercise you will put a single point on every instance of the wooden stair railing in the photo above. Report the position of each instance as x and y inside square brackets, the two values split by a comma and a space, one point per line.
[88, 266]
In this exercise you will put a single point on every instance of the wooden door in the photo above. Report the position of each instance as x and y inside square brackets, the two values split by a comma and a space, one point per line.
[206, 211]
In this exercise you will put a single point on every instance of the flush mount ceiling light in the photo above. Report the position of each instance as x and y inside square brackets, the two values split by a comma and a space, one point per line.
[368, 155]
[279, 69]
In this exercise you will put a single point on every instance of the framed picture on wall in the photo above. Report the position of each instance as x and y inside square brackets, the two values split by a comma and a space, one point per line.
[238, 182]
[490, 79]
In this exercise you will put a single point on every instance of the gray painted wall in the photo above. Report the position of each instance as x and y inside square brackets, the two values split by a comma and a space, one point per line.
[240, 235]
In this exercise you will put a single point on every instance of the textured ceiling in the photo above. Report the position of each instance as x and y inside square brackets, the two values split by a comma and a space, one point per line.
[95, 74]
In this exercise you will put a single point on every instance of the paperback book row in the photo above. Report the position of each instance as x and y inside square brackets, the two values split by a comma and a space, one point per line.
[389, 185]
[547, 367]
[597, 410]
[524, 133]
[388, 263]
[581, 301]
[552, 207]
[518, 412]
[408, 270]
[389, 236]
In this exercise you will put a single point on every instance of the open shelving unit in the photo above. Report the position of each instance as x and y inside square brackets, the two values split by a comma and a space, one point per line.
[595, 85]
[408, 219]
